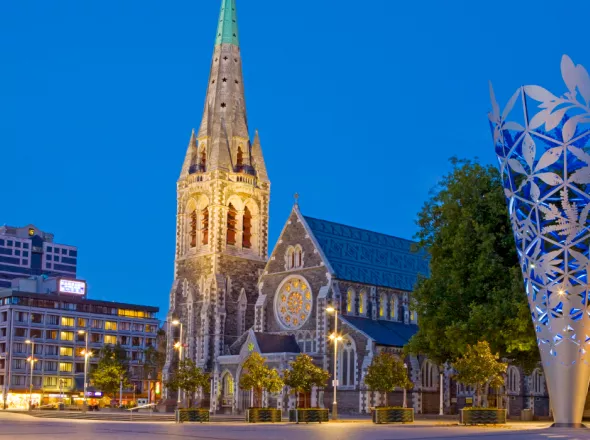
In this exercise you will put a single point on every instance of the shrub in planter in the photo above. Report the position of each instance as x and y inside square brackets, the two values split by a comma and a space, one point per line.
[483, 416]
[390, 414]
[193, 415]
[263, 415]
[304, 376]
[307, 415]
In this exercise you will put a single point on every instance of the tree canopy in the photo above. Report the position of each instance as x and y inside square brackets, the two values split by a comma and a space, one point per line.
[304, 375]
[386, 373]
[475, 289]
[189, 378]
[257, 377]
[112, 368]
[478, 367]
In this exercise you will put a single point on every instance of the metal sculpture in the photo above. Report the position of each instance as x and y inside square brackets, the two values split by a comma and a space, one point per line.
[543, 146]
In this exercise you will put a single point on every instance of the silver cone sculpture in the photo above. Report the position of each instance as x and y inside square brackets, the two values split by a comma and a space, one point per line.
[542, 142]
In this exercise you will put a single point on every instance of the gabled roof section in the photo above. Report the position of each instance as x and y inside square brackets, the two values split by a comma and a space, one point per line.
[270, 343]
[369, 257]
[389, 333]
[227, 30]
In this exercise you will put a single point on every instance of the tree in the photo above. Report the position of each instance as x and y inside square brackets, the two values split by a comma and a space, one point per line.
[190, 379]
[479, 367]
[475, 289]
[112, 368]
[386, 373]
[304, 375]
[258, 377]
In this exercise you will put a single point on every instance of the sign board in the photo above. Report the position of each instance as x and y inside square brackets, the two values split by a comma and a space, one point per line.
[335, 383]
[71, 287]
[469, 400]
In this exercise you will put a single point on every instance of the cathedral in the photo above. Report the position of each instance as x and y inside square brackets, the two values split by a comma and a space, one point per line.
[233, 298]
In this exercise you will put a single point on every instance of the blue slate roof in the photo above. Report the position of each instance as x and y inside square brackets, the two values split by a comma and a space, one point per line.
[390, 333]
[369, 257]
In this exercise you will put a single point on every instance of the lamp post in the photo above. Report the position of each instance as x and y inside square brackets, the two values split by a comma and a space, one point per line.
[405, 392]
[86, 354]
[31, 342]
[335, 338]
[178, 346]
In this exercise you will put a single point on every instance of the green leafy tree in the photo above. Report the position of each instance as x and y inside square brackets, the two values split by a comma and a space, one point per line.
[304, 375]
[190, 379]
[258, 377]
[112, 368]
[475, 289]
[479, 367]
[386, 373]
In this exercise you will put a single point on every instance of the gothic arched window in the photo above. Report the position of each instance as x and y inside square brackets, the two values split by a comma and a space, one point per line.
[240, 158]
[193, 228]
[429, 376]
[512, 380]
[205, 226]
[247, 237]
[203, 159]
[538, 383]
[394, 305]
[347, 363]
[362, 302]
[350, 297]
[382, 304]
[232, 215]
[298, 254]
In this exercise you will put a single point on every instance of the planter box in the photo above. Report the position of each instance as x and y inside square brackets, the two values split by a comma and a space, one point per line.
[263, 415]
[199, 415]
[483, 416]
[308, 415]
[393, 415]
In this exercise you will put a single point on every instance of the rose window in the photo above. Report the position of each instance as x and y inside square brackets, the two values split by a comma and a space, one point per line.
[293, 303]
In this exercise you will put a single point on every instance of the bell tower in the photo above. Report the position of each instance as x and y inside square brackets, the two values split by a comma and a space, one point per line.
[222, 213]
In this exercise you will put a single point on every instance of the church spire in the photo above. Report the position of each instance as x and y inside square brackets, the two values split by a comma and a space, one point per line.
[227, 30]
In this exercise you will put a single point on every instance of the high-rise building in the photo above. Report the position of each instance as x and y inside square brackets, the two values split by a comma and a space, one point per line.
[27, 250]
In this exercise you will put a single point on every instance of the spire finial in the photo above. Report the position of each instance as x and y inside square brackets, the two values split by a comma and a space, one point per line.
[296, 197]
[227, 30]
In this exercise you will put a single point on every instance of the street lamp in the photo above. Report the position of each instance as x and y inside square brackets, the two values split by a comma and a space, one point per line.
[178, 346]
[335, 338]
[32, 361]
[86, 354]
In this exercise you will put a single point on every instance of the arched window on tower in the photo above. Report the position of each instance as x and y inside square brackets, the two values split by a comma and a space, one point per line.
[247, 236]
[203, 159]
[232, 215]
[362, 302]
[382, 304]
[240, 158]
[298, 256]
[193, 228]
[350, 297]
[205, 225]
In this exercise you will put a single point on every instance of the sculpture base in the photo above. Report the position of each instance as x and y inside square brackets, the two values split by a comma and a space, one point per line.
[569, 425]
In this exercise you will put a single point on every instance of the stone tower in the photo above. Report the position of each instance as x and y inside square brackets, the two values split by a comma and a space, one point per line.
[222, 214]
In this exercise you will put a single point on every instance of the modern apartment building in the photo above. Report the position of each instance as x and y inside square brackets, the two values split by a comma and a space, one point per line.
[26, 251]
[54, 316]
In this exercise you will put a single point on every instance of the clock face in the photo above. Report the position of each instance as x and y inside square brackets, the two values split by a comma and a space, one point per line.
[293, 302]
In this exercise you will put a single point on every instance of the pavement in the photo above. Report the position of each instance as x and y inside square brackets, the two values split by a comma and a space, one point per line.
[25, 427]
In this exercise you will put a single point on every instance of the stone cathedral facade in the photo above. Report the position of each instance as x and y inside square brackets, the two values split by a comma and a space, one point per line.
[232, 298]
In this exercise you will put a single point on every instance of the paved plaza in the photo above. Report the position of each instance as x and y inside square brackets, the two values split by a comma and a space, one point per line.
[24, 427]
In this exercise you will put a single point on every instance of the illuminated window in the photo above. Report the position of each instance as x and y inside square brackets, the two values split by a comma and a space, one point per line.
[67, 321]
[50, 381]
[110, 339]
[350, 297]
[247, 237]
[231, 225]
[362, 302]
[66, 351]
[82, 322]
[110, 325]
[382, 304]
[65, 367]
[394, 305]
[67, 336]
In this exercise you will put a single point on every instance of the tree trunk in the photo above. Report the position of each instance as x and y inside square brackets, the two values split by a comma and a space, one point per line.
[385, 398]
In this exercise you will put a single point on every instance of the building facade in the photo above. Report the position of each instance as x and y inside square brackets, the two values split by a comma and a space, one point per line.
[27, 250]
[232, 299]
[56, 321]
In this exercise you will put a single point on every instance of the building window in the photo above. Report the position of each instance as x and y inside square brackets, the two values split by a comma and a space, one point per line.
[149, 328]
[513, 380]
[82, 322]
[110, 325]
[110, 339]
[65, 367]
[205, 225]
[232, 215]
[203, 158]
[52, 319]
[362, 302]
[67, 336]
[538, 383]
[20, 332]
[240, 159]
[18, 364]
[429, 376]
[394, 304]
[96, 323]
[67, 321]
[227, 385]
[193, 229]
[382, 304]
[50, 381]
[51, 334]
[350, 298]
[95, 338]
[51, 350]
[247, 237]
[66, 351]
[347, 364]
[36, 318]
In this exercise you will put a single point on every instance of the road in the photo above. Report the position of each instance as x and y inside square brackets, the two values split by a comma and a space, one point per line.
[24, 427]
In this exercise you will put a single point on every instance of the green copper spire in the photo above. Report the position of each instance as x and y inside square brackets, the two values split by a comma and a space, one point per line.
[227, 30]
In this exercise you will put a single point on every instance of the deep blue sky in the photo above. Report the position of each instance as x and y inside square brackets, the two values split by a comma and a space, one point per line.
[359, 106]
